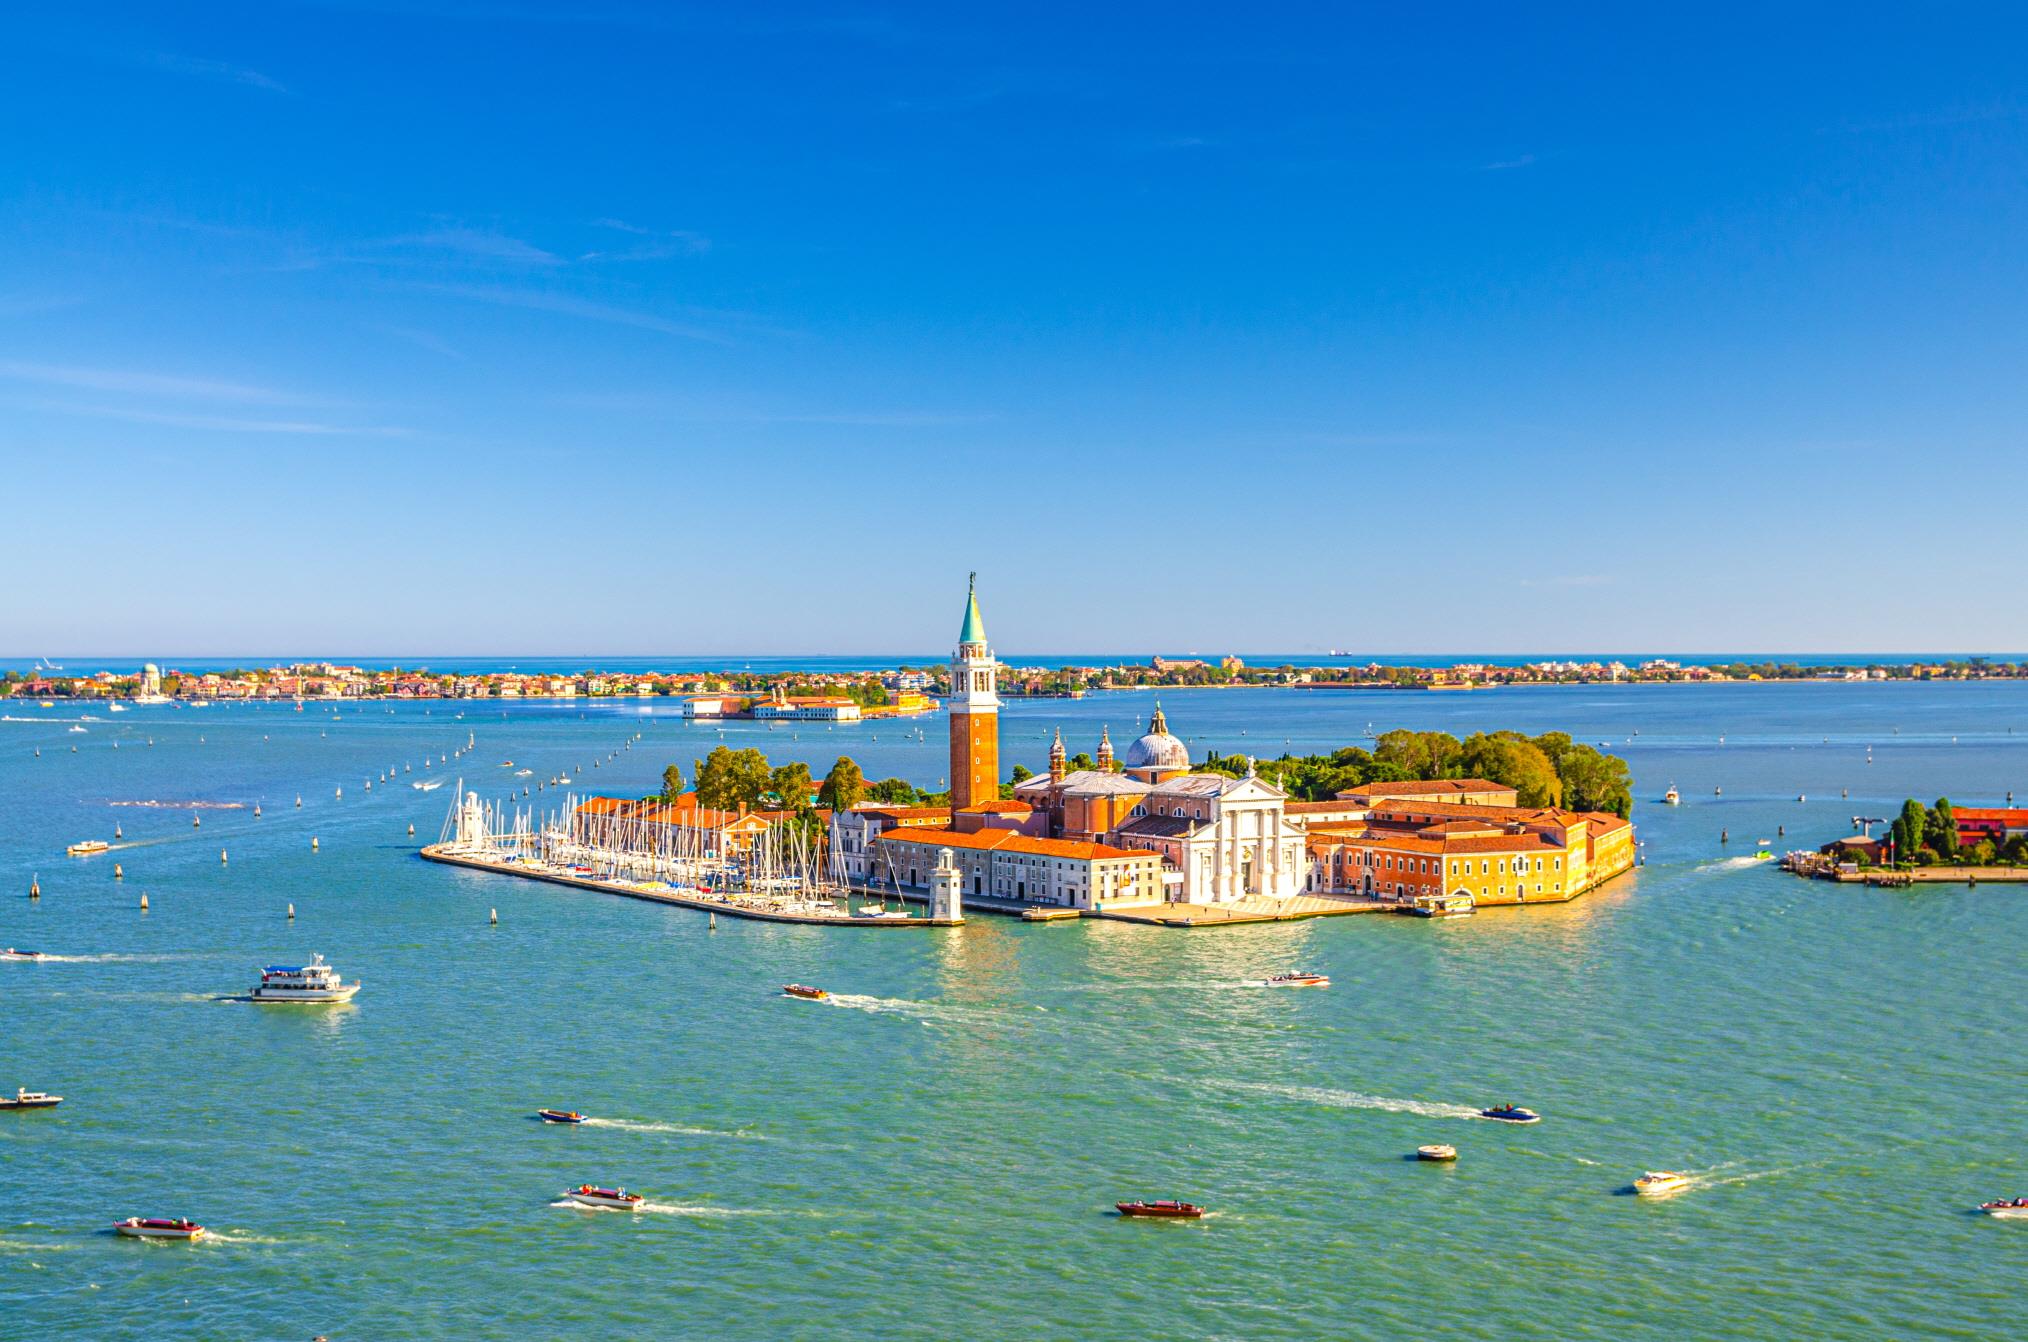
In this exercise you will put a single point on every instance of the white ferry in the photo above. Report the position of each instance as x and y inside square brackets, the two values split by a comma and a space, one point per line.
[314, 982]
[87, 847]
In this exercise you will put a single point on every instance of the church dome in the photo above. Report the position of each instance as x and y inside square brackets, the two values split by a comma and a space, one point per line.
[1158, 749]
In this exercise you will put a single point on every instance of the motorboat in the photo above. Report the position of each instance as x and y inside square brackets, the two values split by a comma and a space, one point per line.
[1458, 904]
[559, 1115]
[2007, 1209]
[1161, 1208]
[1436, 1151]
[87, 847]
[30, 1099]
[159, 1227]
[806, 992]
[12, 953]
[1510, 1113]
[314, 982]
[1298, 979]
[1661, 1183]
[1672, 797]
[610, 1199]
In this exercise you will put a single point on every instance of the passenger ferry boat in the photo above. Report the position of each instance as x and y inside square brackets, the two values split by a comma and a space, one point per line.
[87, 847]
[1459, 905]
[159, 1227]
[314, 982]
[1661, 1183]
[805, 991]
[1297, 980]
[611, 1199]
[30, 1099]
[1164, 1207]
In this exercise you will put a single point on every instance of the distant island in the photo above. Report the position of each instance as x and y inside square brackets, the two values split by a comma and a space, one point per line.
[904, 689]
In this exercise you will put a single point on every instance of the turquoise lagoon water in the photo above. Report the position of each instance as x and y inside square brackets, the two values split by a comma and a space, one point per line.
[935, 1154]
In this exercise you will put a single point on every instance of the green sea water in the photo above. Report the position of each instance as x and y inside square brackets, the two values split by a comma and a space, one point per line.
[935, 1153]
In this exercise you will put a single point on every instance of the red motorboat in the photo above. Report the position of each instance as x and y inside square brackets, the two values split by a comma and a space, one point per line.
[1163, 1207]
[159, 1227]
[805, 991]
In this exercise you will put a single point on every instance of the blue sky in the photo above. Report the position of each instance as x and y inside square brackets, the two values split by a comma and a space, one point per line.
[501, 327]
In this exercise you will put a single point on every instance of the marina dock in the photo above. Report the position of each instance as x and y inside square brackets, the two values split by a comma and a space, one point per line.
[655, 893]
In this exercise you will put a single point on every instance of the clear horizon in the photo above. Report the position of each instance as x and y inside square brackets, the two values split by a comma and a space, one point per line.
[1352, 326]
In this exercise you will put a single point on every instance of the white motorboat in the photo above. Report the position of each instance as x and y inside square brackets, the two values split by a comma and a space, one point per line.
[314, 982]
[159, 1227]
[1672, 797]
[2006, 1209]
[609, 1199]
[30, 1099]
[1297, 979]
[1661, 1183]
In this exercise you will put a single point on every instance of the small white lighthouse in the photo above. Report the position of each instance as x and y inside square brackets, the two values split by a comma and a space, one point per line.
[947, 900]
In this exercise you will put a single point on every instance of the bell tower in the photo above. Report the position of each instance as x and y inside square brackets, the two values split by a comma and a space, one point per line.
[975, 712]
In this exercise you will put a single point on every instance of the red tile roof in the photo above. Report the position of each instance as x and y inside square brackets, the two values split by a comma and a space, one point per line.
[1010, 841]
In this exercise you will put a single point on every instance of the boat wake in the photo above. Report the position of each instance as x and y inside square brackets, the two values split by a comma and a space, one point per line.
[157, 805]
[1731, 864]
[902, 1006]
[111, 959]
[665, 1209]
[1352, 1099]
[239, 1237]
[678, 1129]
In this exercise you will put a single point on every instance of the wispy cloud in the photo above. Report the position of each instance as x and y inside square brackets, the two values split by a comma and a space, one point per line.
[650, 244]
[234, 424]
[128, 382]
[475, 242]
[543, 300]
[1507, 164]
[430, 341]
[200, 68]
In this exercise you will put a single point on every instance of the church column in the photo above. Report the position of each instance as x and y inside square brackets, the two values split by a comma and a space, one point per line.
[1232, 845]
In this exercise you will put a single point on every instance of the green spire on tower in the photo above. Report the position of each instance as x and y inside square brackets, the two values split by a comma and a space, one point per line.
[974, 630]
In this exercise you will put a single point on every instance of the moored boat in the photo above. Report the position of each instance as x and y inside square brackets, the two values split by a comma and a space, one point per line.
[1298, 979]
[1510, 1113]
[1436, 1151]
[2007, 1209]
[30, 1099]
[159, 1227]
[1161, 1208]
[805, 991]
[1458, 904]
[314, 982]
[610, 1199]
[1661, 1183]
[559, 1115]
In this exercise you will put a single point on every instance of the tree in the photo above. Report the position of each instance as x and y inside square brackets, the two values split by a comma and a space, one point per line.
[844, 787]
[1020, 773]
[1554, 745]
[1596, 782]
[1907, 831]
[1940, 828]
[672, 782]
[728, 778]
[1081, 761]
[1423, 754]
[792, 785]
[1512, 759]
[893, 792]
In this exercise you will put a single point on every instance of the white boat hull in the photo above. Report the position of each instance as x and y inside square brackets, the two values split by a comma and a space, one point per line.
[2007, 1213]
[310, 996]
[602, 1204]
[151, 1232]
